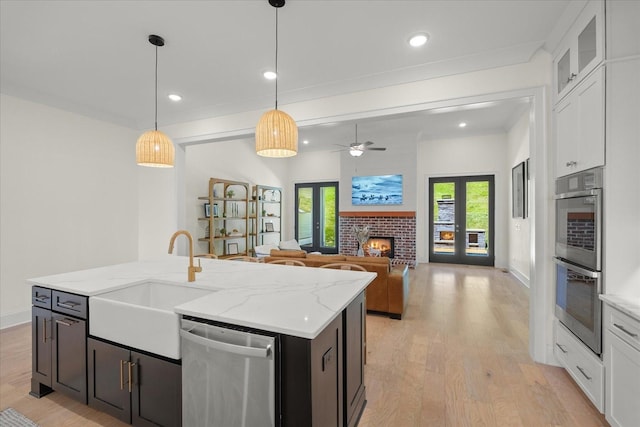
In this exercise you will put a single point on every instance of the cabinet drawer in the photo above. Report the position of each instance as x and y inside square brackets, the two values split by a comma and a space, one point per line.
[624, 326]
[562, 345]
[584, 367]
[72, 304]
[41, 297]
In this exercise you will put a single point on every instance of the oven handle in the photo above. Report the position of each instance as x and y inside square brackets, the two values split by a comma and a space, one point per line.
[581, 270]
[585, 193]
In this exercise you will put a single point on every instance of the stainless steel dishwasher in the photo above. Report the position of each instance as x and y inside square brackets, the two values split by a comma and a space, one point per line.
[228, 376]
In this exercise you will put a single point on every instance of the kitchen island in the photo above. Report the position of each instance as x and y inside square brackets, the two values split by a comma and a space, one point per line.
[303, 306]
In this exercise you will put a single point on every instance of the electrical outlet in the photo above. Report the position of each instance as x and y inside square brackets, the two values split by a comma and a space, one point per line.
[327, 358]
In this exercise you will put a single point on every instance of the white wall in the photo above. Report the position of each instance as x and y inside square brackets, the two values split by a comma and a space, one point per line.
[518, 228]
[399, 158]
[68, 197]
[158, 209]
[473, 155]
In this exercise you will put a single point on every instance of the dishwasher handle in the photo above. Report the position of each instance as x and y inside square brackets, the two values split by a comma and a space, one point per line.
[262, 353]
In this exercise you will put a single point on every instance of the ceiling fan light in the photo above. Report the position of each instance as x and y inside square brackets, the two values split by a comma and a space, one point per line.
[356, 152]
[276, 135]
[155, 149]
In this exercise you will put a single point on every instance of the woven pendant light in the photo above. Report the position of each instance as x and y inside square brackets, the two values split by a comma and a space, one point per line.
[276, 132]
[154, 148]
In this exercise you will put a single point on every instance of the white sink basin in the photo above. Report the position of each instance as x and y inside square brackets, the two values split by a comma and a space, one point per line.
[141, 316]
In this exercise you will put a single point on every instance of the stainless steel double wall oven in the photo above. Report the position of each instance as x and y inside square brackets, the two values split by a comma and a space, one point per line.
[579, 256]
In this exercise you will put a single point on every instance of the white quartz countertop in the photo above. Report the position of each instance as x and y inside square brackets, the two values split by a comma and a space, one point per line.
[626, 305]
[298, 301]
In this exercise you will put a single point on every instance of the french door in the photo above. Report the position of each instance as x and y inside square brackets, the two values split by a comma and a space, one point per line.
[461, 220]
[317, 217]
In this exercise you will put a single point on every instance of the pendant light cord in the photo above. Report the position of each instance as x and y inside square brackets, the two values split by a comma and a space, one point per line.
[156, 116]
[277, 75]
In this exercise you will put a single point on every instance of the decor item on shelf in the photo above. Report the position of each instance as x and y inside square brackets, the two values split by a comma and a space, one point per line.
[230, 194]
[223, 232]
[154, 148]
[268, 227]
[232, 248]
[276, 132]
[207, 210]
[362, 235]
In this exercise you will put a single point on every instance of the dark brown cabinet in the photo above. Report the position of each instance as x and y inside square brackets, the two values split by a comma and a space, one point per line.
[134, 387]
[40, 351]
[323, 378]
[354, 318]
[59, 337]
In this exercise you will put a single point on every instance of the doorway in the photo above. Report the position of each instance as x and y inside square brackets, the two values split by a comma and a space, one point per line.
[461, 220]
[317, 217]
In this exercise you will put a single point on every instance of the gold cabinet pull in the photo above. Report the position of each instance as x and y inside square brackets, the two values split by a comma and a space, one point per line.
[131, 365]
[122, 362]
[66, 322]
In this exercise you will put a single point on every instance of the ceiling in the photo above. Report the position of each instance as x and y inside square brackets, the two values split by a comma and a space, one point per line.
[93, 57]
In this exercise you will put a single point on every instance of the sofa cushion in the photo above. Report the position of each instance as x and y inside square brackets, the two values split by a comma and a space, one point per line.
[289, 245]
[288, 253]
[264, 250]
[367, 259]
[326, 258]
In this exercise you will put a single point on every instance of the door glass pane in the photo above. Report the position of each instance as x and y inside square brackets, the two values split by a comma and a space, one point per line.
[477, 218]
[587, 45]
[444, 213]
[328, 217]
[305, 216]
[564, 70]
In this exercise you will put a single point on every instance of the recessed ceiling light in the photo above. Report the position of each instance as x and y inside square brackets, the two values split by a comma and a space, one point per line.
[305, 142]
[269, 75]
[175, 97]
[462, 125]
[418, 40]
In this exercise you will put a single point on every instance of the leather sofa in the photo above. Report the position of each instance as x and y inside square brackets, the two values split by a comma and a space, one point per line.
[387, 293]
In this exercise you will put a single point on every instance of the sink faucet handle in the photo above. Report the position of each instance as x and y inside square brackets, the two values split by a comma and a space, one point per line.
[199, 267]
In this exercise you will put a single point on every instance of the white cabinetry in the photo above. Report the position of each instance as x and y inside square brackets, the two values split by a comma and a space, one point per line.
[580, 126]
[581, 49]
[584, 367]
[622, 362]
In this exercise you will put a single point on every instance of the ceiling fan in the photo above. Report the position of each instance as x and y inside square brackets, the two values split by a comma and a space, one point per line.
[357, 149]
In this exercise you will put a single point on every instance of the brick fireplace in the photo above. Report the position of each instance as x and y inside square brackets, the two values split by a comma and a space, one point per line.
[399, 225]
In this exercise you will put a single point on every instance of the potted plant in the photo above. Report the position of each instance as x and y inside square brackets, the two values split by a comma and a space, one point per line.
[223, 232]
[230, 194]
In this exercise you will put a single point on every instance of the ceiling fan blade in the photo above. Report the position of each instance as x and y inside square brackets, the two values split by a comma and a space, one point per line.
[366, 143]
[376, 149]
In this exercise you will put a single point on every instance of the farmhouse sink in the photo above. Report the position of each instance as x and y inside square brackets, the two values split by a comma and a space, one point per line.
[141, 315]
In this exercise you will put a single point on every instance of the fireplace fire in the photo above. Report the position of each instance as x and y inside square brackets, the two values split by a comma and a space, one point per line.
[379, 246]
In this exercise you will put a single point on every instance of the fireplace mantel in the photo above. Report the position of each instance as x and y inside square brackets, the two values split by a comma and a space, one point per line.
[397, 214]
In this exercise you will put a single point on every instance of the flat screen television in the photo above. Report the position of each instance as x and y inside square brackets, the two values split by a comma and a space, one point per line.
[376, 190]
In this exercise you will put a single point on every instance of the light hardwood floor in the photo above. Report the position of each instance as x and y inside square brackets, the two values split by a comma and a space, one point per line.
[458, 358]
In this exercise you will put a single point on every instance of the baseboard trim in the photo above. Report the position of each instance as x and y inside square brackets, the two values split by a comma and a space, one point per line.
[520, 277]
[14, 319]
